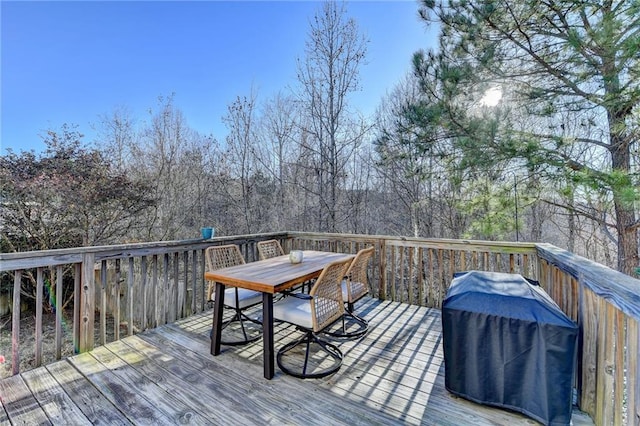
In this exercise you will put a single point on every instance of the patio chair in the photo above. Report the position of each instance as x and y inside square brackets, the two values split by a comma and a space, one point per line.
[238, 299]
[354, 287]
[269, 249]
[312, 313]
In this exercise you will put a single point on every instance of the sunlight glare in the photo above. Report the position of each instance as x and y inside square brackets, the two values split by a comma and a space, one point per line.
[491, 97]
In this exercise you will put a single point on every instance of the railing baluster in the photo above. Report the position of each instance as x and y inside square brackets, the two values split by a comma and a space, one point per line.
[87, 303]
[452, 266]
[420, 272]
[201, 282]
[410, 276]
[589, 327]
[194, 274]
[77, 291]
[143, 292]
[392, 279]
[164, 298]
[185, 284]
[39, 297]
[382, 272]
[130, 283]
[103, 302]
[401, 281]
[175, 300]
[441, 284]
[408, 269]
[15, 323]
[432, 282]
[58, 308]
[154, 289]
[633, 381]
[618, 393]
[116, 313]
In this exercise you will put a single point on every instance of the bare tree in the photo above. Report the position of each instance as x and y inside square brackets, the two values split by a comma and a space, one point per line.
[328, 74]
[173, 160]
[276, 150]
[240, 154]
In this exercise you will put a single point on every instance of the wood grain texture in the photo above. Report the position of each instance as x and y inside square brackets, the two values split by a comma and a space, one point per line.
[405, 270]
[275, 274]
[393, 375]
[136, 406]
[53, 399]
[95, 406]
[21, 406]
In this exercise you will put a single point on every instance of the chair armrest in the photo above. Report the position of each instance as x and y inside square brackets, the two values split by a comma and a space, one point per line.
[302, 296]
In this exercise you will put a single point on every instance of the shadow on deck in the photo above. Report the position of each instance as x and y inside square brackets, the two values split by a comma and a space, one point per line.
[394, 375]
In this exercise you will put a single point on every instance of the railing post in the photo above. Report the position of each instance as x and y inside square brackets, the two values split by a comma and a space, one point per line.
[382, 285]
[87, 303]
[77, 290]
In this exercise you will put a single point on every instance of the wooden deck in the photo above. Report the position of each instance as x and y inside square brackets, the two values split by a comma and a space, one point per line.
[395, 375]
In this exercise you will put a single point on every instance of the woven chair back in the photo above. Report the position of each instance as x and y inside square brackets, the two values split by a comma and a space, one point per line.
[269, 249]
[219, 257]
[327, 304]
[357, 277]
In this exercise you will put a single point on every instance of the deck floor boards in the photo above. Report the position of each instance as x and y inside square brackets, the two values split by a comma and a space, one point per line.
[394, 375]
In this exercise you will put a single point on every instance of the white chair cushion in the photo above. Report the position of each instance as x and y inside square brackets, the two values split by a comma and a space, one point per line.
[293, 310]
[356, 288]
[245, 297]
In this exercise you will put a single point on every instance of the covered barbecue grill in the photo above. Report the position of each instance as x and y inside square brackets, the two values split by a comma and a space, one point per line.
[507, 344]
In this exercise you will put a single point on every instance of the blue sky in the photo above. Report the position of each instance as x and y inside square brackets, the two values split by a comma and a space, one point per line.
[70, 62]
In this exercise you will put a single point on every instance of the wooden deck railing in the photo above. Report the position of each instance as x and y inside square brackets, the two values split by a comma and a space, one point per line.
[156, 283]
[161, 282]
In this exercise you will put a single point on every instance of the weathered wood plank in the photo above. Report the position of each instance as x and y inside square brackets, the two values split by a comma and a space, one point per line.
[38, 307]
[4, 418]
[226, 387]
[390, 378]
[633, 345]
[130, 315]
[589, 331]
[606, 368]
[95, 406]
[420, 274]
[87, 303]
[163, 401]
[393, 375]
[15, 323]
[618, 289]
[619, 378]
[171, 374]
[116, 303]
[324, 405]
[139, 409]
[59, 408]
[58, 309]
[21, 406]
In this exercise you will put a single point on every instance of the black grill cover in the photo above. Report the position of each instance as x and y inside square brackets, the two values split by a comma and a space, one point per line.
[507, 344]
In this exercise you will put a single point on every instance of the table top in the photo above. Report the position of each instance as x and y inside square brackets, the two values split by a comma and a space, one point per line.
[276, 274]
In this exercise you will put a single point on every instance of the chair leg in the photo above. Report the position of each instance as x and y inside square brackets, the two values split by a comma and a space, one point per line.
[240, 317]
[306, 355]
[308, 338]
[342, 333]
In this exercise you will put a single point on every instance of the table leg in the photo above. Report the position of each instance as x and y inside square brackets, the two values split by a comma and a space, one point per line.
[267, 334]
[218, 307]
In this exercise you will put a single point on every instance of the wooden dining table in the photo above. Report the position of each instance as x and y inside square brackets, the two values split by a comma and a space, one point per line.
[269, 277]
